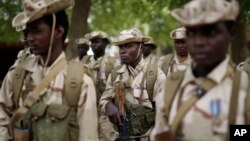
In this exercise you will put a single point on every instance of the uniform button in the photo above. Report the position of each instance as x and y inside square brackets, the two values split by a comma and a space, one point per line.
[53, 119]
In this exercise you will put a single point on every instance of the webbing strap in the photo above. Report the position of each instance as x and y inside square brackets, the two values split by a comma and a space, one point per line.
[234, 97]
[73, 83]
[247, 106]
[35, 94]
[206, 84]
[172, 85]
[234, 100]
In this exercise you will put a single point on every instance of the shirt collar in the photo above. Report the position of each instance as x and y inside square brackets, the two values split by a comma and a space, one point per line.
[213, 75]
[133, 71]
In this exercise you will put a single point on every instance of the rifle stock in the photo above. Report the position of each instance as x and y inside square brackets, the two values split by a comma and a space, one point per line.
[123, 127]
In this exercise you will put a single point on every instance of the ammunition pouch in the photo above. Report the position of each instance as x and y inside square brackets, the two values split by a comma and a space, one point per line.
[53, 122]
[141, 119]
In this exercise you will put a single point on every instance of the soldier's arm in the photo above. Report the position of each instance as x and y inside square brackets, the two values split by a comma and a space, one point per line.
[160, 61]
[161, 128]
[107, 95]
[87, 111]
[6, 93]
[159, 85]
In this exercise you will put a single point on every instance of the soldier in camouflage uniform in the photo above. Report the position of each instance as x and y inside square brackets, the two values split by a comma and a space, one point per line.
[51, 101]
[137, 77]
[201, 102]
[147, 51]
[180, 60]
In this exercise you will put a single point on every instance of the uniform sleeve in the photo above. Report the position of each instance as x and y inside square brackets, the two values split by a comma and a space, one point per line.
[107, 95]
[159, 84]
[6, 103]
[160, 62]
[87, 112]
[161, 124]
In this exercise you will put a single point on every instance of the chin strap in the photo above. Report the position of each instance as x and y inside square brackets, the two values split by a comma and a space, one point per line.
[51, 41]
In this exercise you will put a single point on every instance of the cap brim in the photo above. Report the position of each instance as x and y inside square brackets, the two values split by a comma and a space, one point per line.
[130, 40]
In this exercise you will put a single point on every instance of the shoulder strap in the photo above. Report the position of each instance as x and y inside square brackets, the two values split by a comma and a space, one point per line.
[85, 59]
[204, 86]
[109, 65]
[172, 85]
[247, 106]
[73, 83]
[234, 97]
[36, 93]
[167, 61]
[151, 76]
[19, 75]
[114, 73]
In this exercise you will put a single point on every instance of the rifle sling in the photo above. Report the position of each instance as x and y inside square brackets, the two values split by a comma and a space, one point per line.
[36, 94]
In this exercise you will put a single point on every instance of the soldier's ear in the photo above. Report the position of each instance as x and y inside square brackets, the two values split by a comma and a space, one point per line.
[59, 31]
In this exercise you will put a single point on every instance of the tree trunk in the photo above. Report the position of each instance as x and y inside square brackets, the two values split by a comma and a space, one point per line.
[78, 26]
[239, 49]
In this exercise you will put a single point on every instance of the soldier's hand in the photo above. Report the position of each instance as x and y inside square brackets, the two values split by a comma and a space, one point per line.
[112, 112]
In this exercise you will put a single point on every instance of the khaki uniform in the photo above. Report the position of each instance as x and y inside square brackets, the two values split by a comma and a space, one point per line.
[177, 65]
[199, 122]
[97, 68]
[152, 59]
[132, 79]
[86, 111]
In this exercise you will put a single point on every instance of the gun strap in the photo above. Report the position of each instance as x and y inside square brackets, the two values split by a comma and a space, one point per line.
[35, 94]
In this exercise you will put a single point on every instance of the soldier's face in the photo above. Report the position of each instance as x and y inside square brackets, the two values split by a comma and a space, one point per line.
[147, 49]
[180, 47]
[38, 37]
[98, 45]
[129, 52]
[82, 49]
[207, 44]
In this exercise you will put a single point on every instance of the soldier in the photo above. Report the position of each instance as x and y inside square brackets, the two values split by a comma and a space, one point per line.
[210, 94]
[100, 66]
[180, 60]
[82, 48]
[46, 100]
[137, 84]
[147, 50]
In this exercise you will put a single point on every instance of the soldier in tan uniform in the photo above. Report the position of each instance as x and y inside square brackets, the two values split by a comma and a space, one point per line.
[210, 94]
[50, 102]
[147, 51]
[100, 67]
[180, 60]
[135, 83]
[82, 45]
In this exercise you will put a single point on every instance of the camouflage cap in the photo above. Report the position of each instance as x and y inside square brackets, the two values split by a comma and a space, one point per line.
[151, 42]
[35, 9]
[198, 12]
[179, 33]
[130, 35]
[97, 34]
[80, 41]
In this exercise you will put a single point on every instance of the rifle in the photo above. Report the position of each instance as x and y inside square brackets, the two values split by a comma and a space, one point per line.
[123, 126]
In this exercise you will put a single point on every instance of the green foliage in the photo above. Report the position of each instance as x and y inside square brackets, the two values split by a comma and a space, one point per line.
[153, 17]
[8, 9]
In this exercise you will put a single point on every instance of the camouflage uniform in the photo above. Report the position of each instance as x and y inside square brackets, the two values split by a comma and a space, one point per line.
[209, 117]
[132, 77]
